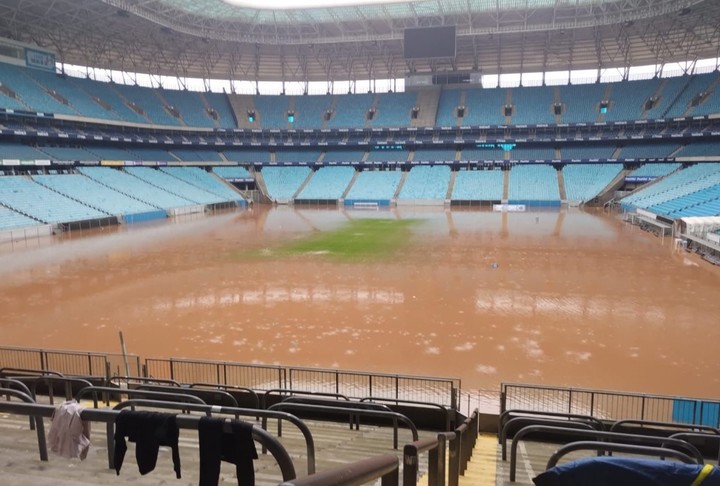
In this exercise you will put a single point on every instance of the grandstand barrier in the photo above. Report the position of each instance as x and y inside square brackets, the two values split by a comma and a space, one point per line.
[529, 203]
[609, 405]
[142, 217]
[421, 202]
[88, 223]
[68, 362]
[199, 208]
[25, 234]
[367, 203]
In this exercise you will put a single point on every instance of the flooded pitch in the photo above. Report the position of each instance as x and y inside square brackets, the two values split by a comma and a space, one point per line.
[560, 298]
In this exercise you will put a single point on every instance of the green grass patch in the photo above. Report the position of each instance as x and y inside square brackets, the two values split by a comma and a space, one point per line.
[361, 239]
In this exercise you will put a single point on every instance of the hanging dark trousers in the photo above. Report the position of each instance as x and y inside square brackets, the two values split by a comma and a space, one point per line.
[236, 447]
[149, 431]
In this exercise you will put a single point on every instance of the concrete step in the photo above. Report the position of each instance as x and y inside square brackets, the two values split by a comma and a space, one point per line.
[481, 470]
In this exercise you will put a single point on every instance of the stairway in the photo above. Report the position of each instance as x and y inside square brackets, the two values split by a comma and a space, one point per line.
[481, 470]
[561, 185]
[461, 102]
[347, 189]
[208, 108]
[129, 104]
[506, 185]
[240, 105]
[677, 97]
[302, 186]
[400, 186]
[451, 186]
[166, 105]
[427, 103]
[708, 92]
[658, 93]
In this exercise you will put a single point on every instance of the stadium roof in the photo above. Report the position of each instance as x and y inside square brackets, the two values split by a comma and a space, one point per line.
[219, 39]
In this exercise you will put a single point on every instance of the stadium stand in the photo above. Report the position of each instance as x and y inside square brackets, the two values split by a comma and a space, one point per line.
[79, 100]
[20, 151]
[30, 93]
[482, 154]
[478, 185]
[272, 111]
[484, 106]
[25, 196]
[705, 202]
[671, 89]
[532, 105]
[111, 153]
[350, 111]
[150, 103]
[219, 103]
[68, 154]
[309, 110]
[297, 156]
[132, 186]
[581, 103]
[587, 151]
[232, 172]
[645, 150]
[190, 106]
[374, 186]
[327, 184]
[10, 219]
[675, 186]
[255, 155]
[93, 194]
[104, 93]
[283, 182]
[585, 181]
[394, 109]
[177, 186]
[203, 180]
[534, 185]
[696, 84]
[426, 183]
[700, 149]
[655, 170]
[196, 155]
[627, 99]
[152, 154]
[447, 108]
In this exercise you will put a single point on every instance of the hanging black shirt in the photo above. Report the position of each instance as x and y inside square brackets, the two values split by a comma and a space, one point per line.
[236, 447]
[149, 431]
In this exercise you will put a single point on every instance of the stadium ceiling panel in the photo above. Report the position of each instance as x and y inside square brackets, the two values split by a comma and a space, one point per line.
[223, 40]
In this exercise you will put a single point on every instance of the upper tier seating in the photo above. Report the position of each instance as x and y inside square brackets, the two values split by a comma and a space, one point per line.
[533, 183]
[532, 105]
[197, 155]
[309, 110]
[21, 151]
[111, 153]
[589, 151]
[149, 100]
[655, 170]
[426, 182]
[297, 156]
[344, 155]
[627, 99]
[677, 185]
[93, 194]
[394, 109]
[447, 108]
[350, 111]
[232, 172]
[484, 107]
[219, 102]
[696, 85]
[272, 111]
[374, 185]
[648, 151]
[132, 186]
[254, 155]
[700, 149]
[31, 94]
[203, 180]
[107, 94]
[671, 88]
[541, 152]
[478, 185]
[177, 186]
[68, 154]
[283, 182]
[10, 219]
[328, 183]
[80, 101]
[190, 106]
[585, 181]
[39, 202]
[152, 154]
[581, 103]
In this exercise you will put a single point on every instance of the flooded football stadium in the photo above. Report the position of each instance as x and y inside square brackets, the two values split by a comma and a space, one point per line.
[567, 297]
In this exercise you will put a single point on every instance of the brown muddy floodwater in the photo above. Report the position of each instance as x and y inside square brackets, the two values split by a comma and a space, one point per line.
[560, 298]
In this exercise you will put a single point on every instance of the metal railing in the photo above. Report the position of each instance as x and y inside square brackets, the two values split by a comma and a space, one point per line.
[384, 467]
[257, 377]
[611, 447]
[602, 404]
[461, 446]
[67, 362]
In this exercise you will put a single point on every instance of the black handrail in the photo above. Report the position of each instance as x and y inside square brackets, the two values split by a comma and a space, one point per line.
[411, 461]
[183, 422]
[503, 418]
[237, 412]
[39, 424]
[290, 392]
[170, 397]
[697, 435]
[611, 447]
[597, 434]
[252, 392]
[10, 382]
[29, 371]
[461, 447]
[384, 467]
[219, 394]
[356, 411]
[667, 425]
[141, 379]
[340, 404]
[50, 380]
[449, 414]
[525, 421]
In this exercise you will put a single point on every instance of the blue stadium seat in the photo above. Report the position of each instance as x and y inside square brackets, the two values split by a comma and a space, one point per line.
[374, 186]
[426, 182]
[283, 182]
[327, 183]
[534, 185]
[585, 181]
[478, 185]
